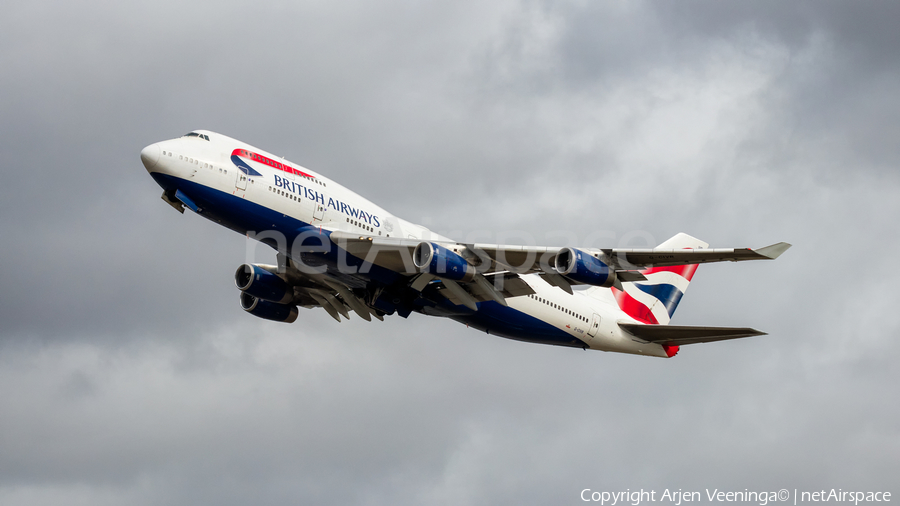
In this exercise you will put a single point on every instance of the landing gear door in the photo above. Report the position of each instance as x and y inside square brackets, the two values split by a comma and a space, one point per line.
[595, 326]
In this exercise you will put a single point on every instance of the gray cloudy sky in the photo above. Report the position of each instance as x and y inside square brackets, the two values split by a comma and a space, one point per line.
[129, 374]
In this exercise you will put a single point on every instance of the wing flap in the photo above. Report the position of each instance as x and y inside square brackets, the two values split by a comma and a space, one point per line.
[467, 294]
[557, 280]
[675, 335]
[511, 285]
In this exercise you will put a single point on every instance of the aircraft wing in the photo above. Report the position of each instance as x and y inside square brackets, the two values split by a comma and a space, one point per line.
[497, 267]
[397, 254]
[663, 257]
[532, 258]
[674, 335]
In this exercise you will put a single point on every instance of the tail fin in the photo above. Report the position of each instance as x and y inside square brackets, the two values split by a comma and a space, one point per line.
[654, 301]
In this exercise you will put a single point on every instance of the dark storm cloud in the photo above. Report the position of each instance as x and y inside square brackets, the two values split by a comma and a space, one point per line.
[130, 375]
[844, 88]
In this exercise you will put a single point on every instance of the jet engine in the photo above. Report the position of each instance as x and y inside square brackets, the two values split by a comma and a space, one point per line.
[583, 267]
[274, 311]
[435, 259]
[260, 282]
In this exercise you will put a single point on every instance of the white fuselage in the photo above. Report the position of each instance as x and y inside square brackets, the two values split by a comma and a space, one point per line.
[272, 194]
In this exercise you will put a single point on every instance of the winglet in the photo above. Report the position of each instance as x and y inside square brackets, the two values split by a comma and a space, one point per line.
[774, 251]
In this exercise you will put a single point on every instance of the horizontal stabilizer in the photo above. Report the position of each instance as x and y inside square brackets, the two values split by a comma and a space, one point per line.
[674, 335]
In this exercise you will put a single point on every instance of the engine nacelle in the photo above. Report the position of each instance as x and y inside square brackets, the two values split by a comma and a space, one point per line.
[263, 284]
[274, 311]
[435, 259]
[583, 267]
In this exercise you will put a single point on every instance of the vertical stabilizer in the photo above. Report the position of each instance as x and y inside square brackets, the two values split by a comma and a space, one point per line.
[654, 301]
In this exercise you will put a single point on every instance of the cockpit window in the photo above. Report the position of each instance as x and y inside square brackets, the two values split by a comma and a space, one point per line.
[195, 134]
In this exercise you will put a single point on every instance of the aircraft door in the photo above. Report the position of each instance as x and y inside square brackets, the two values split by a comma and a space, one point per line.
[595, 326]
[319, 211]
[241, 182]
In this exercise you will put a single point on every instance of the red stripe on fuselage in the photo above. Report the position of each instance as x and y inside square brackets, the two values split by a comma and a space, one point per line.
[634, 308]
[256, 157]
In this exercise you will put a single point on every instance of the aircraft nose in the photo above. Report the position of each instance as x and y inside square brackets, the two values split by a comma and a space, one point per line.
[150, 155]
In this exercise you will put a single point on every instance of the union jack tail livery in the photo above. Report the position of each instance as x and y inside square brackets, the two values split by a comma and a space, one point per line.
[654, 301]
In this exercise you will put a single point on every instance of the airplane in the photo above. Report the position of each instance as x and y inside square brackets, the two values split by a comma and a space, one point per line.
[338, 251]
